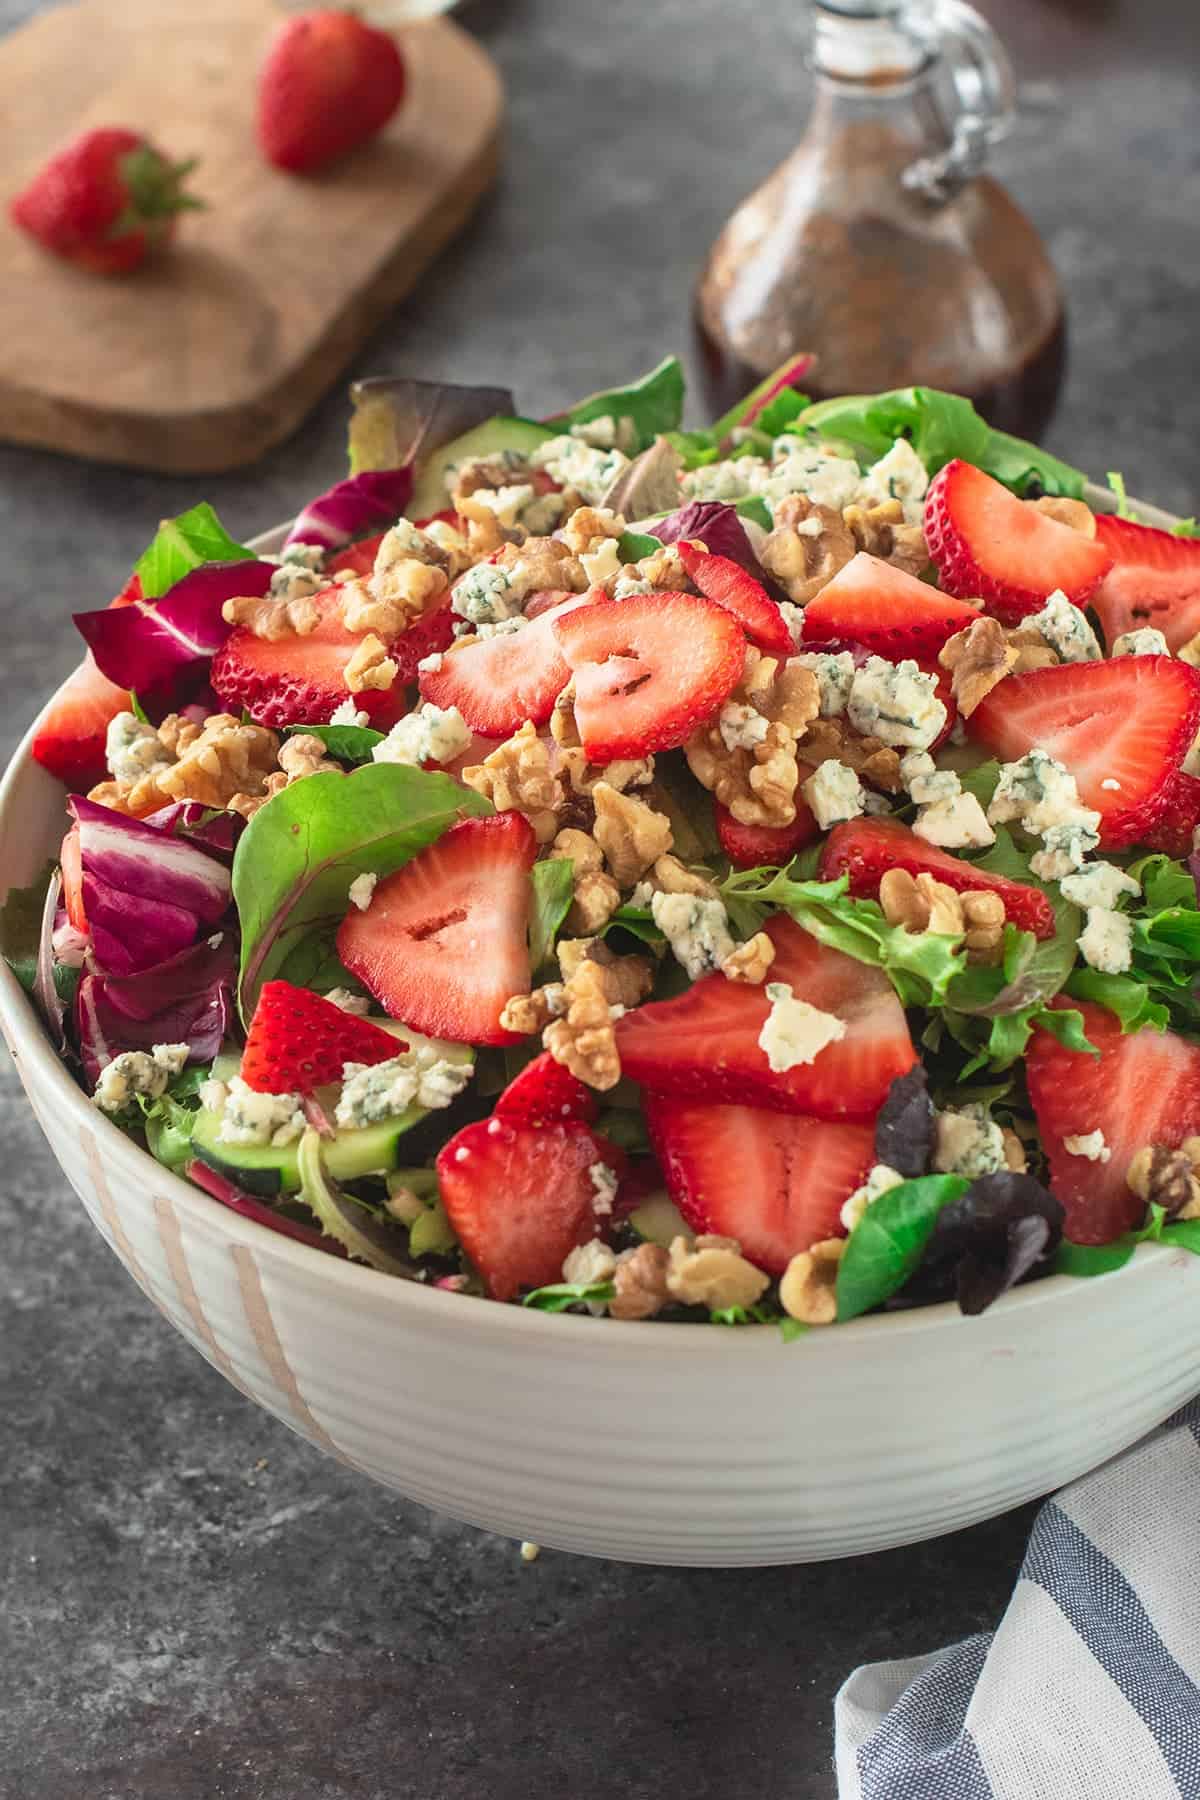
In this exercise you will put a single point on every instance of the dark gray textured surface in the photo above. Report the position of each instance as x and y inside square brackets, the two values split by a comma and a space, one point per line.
[196, 1605]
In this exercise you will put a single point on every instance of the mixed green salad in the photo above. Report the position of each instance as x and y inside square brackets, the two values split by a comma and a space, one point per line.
[741, 875]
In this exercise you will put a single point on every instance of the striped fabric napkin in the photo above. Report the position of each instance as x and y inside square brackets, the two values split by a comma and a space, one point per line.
[1088, 1689]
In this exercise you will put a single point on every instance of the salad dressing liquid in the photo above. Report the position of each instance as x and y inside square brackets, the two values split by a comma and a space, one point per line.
[878, 246]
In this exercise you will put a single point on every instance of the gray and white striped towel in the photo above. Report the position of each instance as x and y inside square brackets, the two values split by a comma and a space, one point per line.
[1089, 1689]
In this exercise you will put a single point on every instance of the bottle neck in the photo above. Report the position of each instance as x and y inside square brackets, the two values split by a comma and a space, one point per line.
[871, 48]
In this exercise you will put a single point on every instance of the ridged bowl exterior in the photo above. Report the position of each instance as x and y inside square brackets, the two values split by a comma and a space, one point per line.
[645, 1442]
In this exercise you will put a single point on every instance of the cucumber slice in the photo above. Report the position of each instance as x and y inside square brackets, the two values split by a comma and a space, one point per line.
[658, 1221]
[275, 1168]
[489, 439]
[340, 1217]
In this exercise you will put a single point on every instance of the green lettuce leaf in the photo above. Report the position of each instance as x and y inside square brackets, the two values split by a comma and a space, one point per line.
[655, 403]
[559, 1295]
[21, 927]
[941, 426]
[1130, 1000]
[298, 855]
[885, 1247]
[553, 884]
[633, 545]
[182, 544]
[755, 507]
[345, 743]
[696, 448]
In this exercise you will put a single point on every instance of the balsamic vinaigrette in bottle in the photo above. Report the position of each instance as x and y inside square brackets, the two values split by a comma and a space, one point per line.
[879, 244]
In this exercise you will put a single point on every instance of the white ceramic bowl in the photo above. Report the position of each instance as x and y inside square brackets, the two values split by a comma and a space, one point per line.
[650, 1442]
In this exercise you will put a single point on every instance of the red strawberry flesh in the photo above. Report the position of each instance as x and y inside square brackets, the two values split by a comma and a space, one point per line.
[1143, 1088]
[497, 683]
[775, 1182]
[298, 1041]
[865, 849]
[726, 582]
[705, 1043]
[546, 1093]
[890, 613]
[1154, 581]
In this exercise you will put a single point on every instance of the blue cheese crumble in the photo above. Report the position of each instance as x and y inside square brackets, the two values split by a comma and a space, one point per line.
[146, 1072]
[742, 727]
[900, 475]
[607, 433]
[834, 794]
[1089, 1144]
[957, 822]
[1066, 846]
[795, 1032]
[248, 1117]
[1143, 642]
[1106, 941]
[881, 1180]
[133, 749]
[604, 1188]
[1098, 884]
[487, 593]
[420, 1076]
[896, 703]
[590, 471]
[432, 734]
[697, 930]
[361, 890]
[968, 1143]
[1040, 795]
[834, 672]
[1065, 629]
[349, 714]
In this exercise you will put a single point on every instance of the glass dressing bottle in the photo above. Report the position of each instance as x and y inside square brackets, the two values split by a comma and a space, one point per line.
[879, 245]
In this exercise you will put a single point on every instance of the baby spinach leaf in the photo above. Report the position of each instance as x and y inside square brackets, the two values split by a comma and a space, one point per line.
[1087, 1260]
[553, 885]
[633, 545]
[345, 743]
[559, 1295]
[182, 544]
[638, 921]
[655, 403]
[886, 1245]
[298, 855]
[755, 507]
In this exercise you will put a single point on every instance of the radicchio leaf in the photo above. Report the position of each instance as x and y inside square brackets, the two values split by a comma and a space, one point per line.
[147, 863]
[905, 1128]
[988, 1240]
[159, 647]
[396, 421]
[186, 1000]
[205, 826]
[718, 528]
[354, 508]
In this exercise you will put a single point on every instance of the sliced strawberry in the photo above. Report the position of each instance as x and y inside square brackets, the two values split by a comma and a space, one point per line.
[292, 680]
[1143, 1088]
[442, 944]
[70, 866]
[360, 556]
[1174, 829]
[549, 598]
[706, 1040]
[520, 1197]
[890, 613]
[776, 1183]
[766, 846]
[726, 582]
[648, 670]
[546, 1093]
[989, 544]
[297, 1041]
[1154, 580]
[69, 741]
[865, 849]
[1130, 721]
[497, 683]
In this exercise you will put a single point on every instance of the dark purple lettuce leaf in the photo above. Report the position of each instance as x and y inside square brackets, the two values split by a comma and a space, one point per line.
[187, 999]
[147, 864]
[396, 420]
[357, 507]
[1003, 1229]
[162, 648]
[211, 830]
[717, 526]
[904, 1130]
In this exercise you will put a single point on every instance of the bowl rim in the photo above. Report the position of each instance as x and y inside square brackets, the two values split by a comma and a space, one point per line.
[28, 1034]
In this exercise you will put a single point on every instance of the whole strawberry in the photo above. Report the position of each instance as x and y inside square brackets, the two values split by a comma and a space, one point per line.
[105, 201]
[327, 84]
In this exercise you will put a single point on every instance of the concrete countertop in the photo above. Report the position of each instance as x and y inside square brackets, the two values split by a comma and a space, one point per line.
[197, 1606]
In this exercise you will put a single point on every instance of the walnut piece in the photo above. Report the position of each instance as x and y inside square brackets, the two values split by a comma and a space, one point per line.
[273, 618]
[588, 527]
[303, 755]
[835, 740]
[518, 777]
[980, 657]
[880, 530]
[1168, 1178]
[751, 960]
[596, 982]
[391, 600]
[1074, 513]
[640, 1283]
[807, 547]
[596, 895]
[630, 833]
[922, 903]
[527, 1013]
[712, 1272]
[370, 666]
[1014, 1152]
[212, 763]
[758, 784]
[808, 1286]
[669, 876]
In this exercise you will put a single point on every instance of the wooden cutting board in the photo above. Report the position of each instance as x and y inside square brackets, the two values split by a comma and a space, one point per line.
[204, 360]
